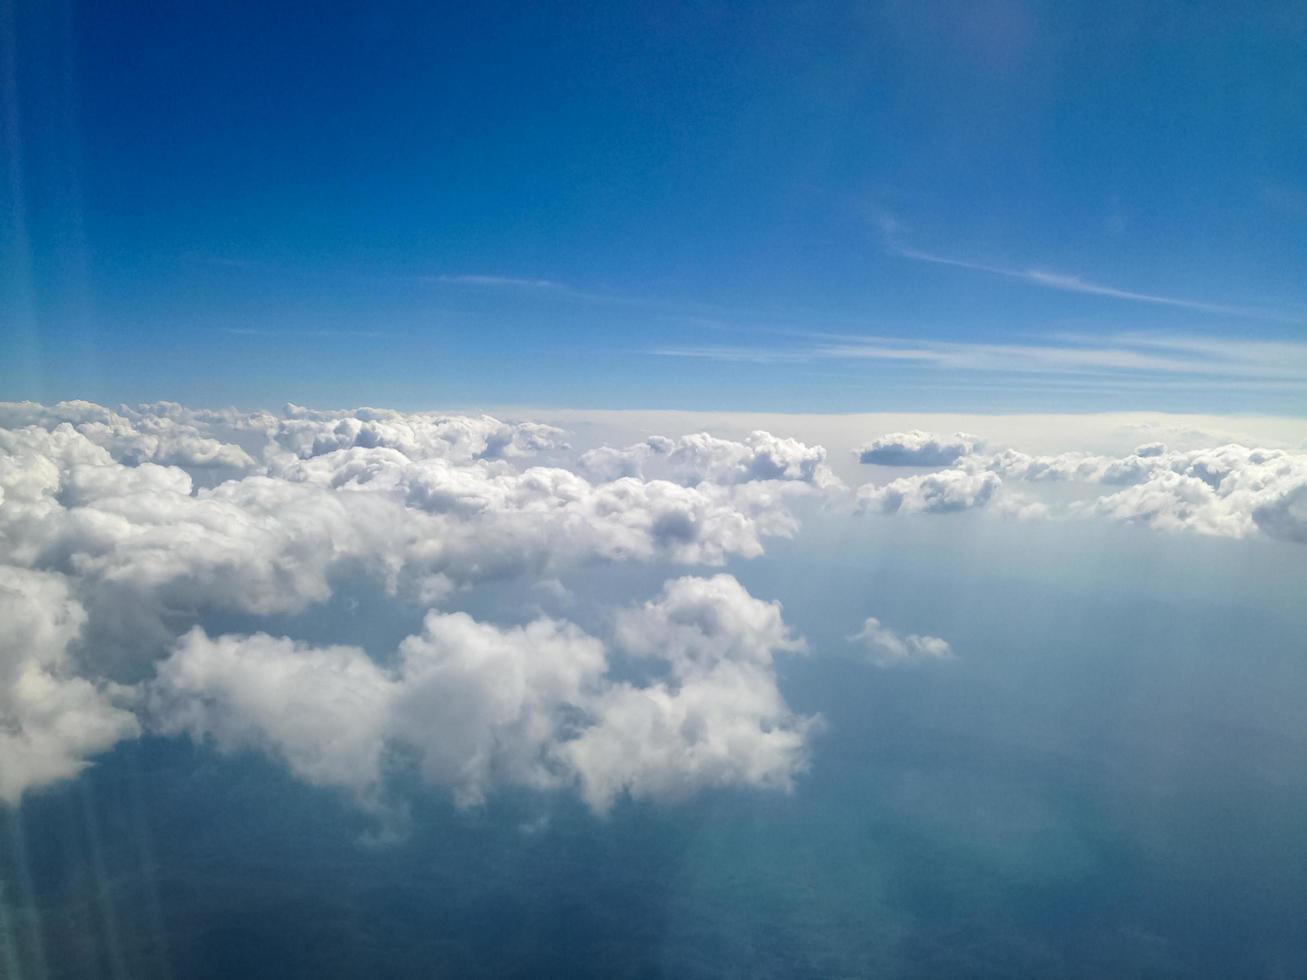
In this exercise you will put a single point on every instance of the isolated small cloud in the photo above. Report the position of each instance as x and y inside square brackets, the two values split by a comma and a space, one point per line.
[918, 448]
[888, 648]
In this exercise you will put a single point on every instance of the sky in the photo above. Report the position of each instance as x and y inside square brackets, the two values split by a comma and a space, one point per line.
[831, 208]
[687, 490]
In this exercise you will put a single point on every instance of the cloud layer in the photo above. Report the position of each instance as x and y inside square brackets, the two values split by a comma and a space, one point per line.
[124, 533]
[121, 530]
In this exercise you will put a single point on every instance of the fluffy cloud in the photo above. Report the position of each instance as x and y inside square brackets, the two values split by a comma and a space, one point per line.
[931, 493]
[481, 705]
[1074, 467]
[888, 648]
[166, 437]
[51, 720]
[717, 720]
[424, 503]
[417, 435]
[485, 705]
[701, 458]
[1229, 491]
[918, 448]
[698, 622]
[1284, 514]
[322, 711]
[1232, 491]
[120, 529]
[128, 525]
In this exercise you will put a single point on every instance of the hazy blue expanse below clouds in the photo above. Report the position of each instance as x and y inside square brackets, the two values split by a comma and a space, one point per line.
[941, 697]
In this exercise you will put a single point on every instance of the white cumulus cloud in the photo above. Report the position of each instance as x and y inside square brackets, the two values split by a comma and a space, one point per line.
[918, 448]
[52, 721]
[480, 705]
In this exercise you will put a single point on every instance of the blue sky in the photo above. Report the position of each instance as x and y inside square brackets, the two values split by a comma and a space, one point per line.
[1002, 206]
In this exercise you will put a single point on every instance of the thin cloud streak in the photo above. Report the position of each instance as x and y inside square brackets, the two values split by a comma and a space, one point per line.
[1282, 353]
[1074, 284]
[1122, 356]
[523, 285]
[257, 332]
[498, 282]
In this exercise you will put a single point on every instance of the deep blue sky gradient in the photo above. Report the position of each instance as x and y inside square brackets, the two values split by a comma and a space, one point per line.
[427, 204]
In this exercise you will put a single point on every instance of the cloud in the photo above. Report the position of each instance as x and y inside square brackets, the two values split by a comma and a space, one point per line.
[526, 285]
[125, 527]
[888, 648]
[112, 555]
[423, 503]
[481, 706]
[486, 705]
[1228, 491]
[1232, 491]
[507, 282]
[702, 458]
[51, 720]
[1074, 284]
[322, 711]
[1284, 514]
[1121, 361]
[918, 448]
[718, 720]
[307, 433]
[132, 438]
[698, 622]
[931, 493]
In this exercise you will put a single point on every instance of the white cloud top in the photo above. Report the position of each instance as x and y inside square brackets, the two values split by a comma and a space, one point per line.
[51, 720]
[918, 448]
[1229, 491]
[535, 705]
[123, 532]
[123, 529]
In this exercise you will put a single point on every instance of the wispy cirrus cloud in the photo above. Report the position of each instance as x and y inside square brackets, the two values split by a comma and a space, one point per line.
[1075, 284]
[1136, 357]
[524, 286]
[260, 332]
[496, 282]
